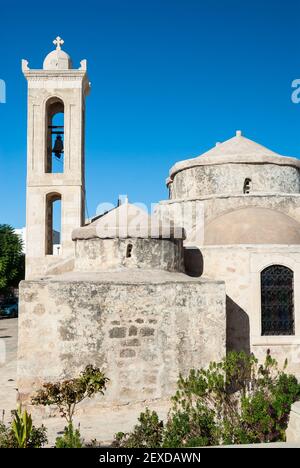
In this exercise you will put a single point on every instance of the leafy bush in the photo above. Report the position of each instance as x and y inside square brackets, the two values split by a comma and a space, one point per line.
[67, 394]
[70, 439]
[148, 433]
[231, 402]
[190, 427]
[38, 437]
[21, 433]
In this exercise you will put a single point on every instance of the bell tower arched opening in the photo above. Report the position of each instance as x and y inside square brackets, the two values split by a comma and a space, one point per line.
[54, 161]
[53, 224]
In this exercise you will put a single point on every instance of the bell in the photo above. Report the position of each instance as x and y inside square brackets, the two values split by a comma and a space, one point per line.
[58, 147]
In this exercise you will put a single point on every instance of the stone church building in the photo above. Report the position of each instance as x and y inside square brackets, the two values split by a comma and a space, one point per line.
[216, 268]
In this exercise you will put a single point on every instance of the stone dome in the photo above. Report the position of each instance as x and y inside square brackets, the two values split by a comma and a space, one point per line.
[225, 169]
[252, 225]
[58, 59]
[127, 221]
[236, 150]
[127, 237]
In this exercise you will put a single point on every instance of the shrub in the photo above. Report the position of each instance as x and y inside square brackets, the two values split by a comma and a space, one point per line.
[38, 437]
[190, 427]
[233, 401]
[148, 433]
[66, 395]
[70, 439]
[7, 438]
[21, 433]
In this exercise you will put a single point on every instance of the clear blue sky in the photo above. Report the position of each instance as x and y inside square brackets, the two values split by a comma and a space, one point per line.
[169, 79]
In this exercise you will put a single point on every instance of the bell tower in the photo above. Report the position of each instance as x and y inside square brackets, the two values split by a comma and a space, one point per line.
[55, 161]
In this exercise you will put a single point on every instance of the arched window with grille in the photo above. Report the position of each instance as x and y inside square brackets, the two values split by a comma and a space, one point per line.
[277, 301]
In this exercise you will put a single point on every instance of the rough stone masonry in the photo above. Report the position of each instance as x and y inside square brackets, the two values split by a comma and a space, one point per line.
[142, 329]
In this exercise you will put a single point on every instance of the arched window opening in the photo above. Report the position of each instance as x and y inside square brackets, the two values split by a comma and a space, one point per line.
[53, 224]
[55, 136]
[277, 301]
[129, 250]
[247, 186]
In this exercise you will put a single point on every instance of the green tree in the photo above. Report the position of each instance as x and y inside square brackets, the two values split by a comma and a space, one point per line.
[11, 259]
[67, 394]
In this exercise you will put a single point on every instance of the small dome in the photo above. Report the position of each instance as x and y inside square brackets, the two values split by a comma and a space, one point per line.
[127, 237]
[127, 221]
[252, 226]
[57, 59]
[236, 150]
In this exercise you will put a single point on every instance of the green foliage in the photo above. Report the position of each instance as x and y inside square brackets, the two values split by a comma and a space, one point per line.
[148, 433]
[22, 427]
[16, 436]
[70, 439]
[68, 393]
[7, 438]
[191, 427]
[234, 401]
[38, 437]
[11, 258]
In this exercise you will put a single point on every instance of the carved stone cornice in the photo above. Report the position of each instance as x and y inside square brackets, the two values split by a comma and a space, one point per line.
[54, 74]
[59, 75]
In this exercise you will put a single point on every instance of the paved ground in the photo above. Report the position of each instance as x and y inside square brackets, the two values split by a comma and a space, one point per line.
[8, 366]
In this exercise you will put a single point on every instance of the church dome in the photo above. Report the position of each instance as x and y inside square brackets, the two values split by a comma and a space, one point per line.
[252, 226]
[127, 221]
[226, 168]
[127, 237]
[58, 59]
[236, 150]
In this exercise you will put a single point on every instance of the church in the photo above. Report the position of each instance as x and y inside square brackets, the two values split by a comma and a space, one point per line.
[147, 297]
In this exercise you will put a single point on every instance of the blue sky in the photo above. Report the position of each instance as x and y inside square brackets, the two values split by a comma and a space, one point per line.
[169, 79]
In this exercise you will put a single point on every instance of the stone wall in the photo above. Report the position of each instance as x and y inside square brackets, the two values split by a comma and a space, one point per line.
[230, 178]
[142, 329]
[288, 204]
[240, 268]
[106, 254]
[195, 214]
